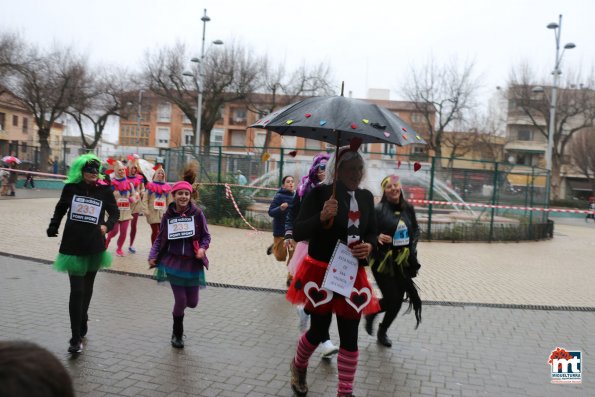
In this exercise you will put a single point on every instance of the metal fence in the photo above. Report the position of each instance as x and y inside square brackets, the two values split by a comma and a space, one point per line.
[455, 199]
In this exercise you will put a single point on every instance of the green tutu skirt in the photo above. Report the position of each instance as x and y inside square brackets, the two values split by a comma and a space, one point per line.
[79, 265]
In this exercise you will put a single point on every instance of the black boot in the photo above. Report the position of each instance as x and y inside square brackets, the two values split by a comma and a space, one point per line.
[382, 338]
[370, 323]
[177, 335]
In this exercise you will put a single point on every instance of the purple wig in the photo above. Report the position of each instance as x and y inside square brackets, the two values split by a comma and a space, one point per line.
[310, 181]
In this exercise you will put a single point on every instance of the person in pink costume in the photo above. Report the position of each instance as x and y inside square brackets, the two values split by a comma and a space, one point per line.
[125, 196]
[138, 181]
[156, 199]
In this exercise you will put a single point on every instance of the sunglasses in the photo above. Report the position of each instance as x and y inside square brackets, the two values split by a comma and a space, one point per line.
[91, 170]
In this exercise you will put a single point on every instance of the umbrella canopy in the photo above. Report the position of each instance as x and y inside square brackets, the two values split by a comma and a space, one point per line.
[11, 159]
[337, 120]
[146, 168]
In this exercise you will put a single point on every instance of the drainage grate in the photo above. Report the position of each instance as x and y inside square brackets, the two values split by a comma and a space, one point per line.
[282, 291]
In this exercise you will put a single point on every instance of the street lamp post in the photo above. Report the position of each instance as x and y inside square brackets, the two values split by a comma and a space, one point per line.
[557, 27]
[138, 116]
[205, 18]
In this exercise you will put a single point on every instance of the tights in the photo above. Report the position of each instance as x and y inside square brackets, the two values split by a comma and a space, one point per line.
[393, 292]
[320, 323]
[81, 290]
[122, 226]
[154, 232]
[184, 297]
[133, 228]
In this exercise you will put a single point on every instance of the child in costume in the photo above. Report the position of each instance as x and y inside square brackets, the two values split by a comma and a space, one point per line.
[125, 195]
[156, 199]
[179, 254]
[138, 181]
[86, 199]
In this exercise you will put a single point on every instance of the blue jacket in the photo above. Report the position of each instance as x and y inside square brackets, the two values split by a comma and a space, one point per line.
[278, 215]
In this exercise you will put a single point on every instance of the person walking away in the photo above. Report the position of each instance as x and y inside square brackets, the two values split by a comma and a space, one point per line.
[278, 210]
[354, 224]
[179, 254]
[86, 200]
[29, 179]
[394, 263]
[136, 207]
[156, 199]
[125, 196]
[12, 179]
[308, 182]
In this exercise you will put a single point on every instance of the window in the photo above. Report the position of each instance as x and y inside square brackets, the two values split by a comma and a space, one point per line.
[259, 138]
[365, 148]
[217, 137]
[417, 118]
[185, 119]
[25, 124]
[164, 112]
[15, 120]
[2, 119]
[418, 149]
[388, 149]
[187, 136]
[23, 145]
[525, 135]
[162, 137]
[238, 138]
[312, 144]
[239, 116]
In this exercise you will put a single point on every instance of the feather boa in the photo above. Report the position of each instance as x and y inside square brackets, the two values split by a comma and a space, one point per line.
[136, 180]
[122, 186]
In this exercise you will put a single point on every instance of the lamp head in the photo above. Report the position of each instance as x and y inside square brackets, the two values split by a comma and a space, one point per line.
[218, 42]
[205, 18]
[569, 46]
[552, 25]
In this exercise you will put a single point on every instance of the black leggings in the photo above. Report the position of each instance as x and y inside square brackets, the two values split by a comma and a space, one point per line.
[320, 323]
[393, 292]
[81, 290]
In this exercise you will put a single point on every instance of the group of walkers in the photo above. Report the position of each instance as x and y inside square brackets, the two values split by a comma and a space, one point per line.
[329, 206]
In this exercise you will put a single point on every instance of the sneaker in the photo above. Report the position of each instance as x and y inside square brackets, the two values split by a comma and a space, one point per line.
[328, 349]
[119, 252]
[304, 317]
[75, 347]
[132, 250]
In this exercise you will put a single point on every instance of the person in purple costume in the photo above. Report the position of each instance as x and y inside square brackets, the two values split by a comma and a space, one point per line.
[179, 254]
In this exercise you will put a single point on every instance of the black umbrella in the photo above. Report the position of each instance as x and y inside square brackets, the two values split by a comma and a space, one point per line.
[337, 120]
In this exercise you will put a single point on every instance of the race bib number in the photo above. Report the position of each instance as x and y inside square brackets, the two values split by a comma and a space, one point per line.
[401, 237]
[180, 228]
[159, 204]
[85, 209]
[123, 204]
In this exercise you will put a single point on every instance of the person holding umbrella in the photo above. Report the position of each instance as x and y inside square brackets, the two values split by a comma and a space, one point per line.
[86, 199]
[394, 264]
[351, 210]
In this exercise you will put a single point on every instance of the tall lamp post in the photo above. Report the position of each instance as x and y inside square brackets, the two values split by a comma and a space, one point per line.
[205, 18]
[557, 27]
[138, 117]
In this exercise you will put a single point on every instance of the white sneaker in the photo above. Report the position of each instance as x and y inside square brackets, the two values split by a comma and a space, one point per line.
[328, 349]
[304, 317]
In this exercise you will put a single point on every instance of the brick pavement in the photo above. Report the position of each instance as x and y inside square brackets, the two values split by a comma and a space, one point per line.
[239, 343]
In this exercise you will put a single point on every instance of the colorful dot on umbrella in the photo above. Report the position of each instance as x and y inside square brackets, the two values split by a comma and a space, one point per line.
[266, 121]
[398, 163]
[416, 166]
[365, 121]
[386, 134]
[322, 122]
[265, 156]
[293, 153]
[353, 126]
[404, 136]
[418, 137]
[288, 122]
[404, 129]
[307, 115]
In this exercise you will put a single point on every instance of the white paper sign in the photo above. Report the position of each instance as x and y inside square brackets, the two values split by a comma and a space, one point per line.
[85, 209]
[180, 227]
[341, 271]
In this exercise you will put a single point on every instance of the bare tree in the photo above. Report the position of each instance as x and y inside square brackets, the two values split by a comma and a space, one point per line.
[99, 98]
[228, 74]
[582, 152]
[47, 83]
[575, 111]
[278, 88]
[11, 51]
[443, 94]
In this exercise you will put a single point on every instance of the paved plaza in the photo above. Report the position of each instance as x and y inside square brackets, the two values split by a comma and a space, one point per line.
[494, 314]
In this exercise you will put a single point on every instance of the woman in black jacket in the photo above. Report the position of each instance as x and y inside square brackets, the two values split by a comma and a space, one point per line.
[86, 199]
[394, 263]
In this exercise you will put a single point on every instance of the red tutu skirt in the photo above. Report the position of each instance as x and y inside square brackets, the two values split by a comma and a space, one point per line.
[306, 289]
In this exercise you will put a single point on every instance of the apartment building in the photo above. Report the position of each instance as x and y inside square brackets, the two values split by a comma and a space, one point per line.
[16, 128]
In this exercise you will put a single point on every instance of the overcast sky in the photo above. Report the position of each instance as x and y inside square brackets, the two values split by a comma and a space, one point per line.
[368, 44]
